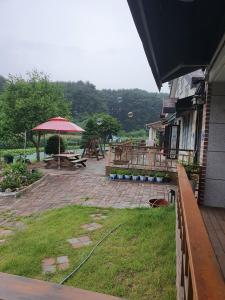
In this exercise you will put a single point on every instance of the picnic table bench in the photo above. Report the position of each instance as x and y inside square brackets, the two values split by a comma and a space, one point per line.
[81, 161]
[66, 160]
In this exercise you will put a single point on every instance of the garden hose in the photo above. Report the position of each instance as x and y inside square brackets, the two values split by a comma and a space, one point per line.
[89, 255]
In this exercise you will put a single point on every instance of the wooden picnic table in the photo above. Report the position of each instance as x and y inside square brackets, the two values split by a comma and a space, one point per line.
[67, 155]
[66, 160]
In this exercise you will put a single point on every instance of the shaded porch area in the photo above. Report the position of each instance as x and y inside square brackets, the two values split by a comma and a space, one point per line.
[214, 219]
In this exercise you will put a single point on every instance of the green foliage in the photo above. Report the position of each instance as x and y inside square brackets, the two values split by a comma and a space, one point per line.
[141, 253]
[191, 169]
[18, 168]
[135, 172]
[150, 173]
[8, 158]
[137, 134]
[52, 146]
[91, 132]
[34, 176]
[84, 97]
[85, 100]
[2, 83]
[15, 152]
[16, 175]
[109, 126]
[160, 174]
[105, 130]
[12, 182]
[118, 171]
[25, 103]
[145, 106]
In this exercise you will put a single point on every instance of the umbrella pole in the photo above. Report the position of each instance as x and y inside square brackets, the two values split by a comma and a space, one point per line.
[59, 153]
[25, 145]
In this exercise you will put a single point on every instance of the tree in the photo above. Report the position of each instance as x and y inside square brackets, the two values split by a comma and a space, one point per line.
[100, 126]
[145, 106]
[90, 133]
[107, 126]
[25, 103]
[52, 146]
[84, 97]
[2, 83]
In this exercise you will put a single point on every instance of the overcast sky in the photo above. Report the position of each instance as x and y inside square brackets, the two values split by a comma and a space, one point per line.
[94, 40]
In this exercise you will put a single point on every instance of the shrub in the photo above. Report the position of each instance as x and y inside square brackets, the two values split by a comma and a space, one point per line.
[34, 176]
[18, 168]
[11, 182]
[8, 158]
[17, 175]
[52, 146]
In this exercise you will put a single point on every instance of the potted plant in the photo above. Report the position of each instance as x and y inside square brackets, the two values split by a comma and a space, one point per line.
[120, 173]
[142, 175]
[159, 176]
[127, 174]
[112, 174]
[135, 175]
[151, 176]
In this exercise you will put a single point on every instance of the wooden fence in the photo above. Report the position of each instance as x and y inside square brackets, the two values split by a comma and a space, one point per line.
[141, 157]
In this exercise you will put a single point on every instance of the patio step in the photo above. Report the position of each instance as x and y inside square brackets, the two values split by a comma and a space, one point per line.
[14, 287]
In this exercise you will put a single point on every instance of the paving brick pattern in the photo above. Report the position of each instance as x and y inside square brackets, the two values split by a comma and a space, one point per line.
[98, 216]
[49, 265]
[5, 232]
[62, 262]
[85, 186]
[79, 242]
[91, 226]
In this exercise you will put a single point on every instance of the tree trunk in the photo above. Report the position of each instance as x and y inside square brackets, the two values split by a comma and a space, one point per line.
[37, 145]
[37, 153]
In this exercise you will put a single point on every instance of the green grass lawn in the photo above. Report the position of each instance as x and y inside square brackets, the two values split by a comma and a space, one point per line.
[136, 262]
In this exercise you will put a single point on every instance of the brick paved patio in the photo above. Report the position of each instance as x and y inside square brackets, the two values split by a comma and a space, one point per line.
[86, 186]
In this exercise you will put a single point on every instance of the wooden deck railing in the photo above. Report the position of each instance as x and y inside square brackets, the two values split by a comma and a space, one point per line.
[138, 156]
[200, 277]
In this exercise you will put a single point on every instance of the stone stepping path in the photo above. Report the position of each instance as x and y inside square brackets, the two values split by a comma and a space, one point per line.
[91, 226]
[79, 242]
[5, 232]
[49, 265]
[98, 216]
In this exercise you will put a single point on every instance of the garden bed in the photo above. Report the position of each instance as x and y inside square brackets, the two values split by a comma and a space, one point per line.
[16, 178]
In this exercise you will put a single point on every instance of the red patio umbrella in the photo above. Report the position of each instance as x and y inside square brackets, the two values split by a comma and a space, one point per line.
[59, 125]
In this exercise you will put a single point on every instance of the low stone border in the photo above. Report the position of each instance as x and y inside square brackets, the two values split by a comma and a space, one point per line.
[24, 190]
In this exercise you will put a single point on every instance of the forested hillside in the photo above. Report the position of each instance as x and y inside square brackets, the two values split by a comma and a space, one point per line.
[85, 100]
[2, 83]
